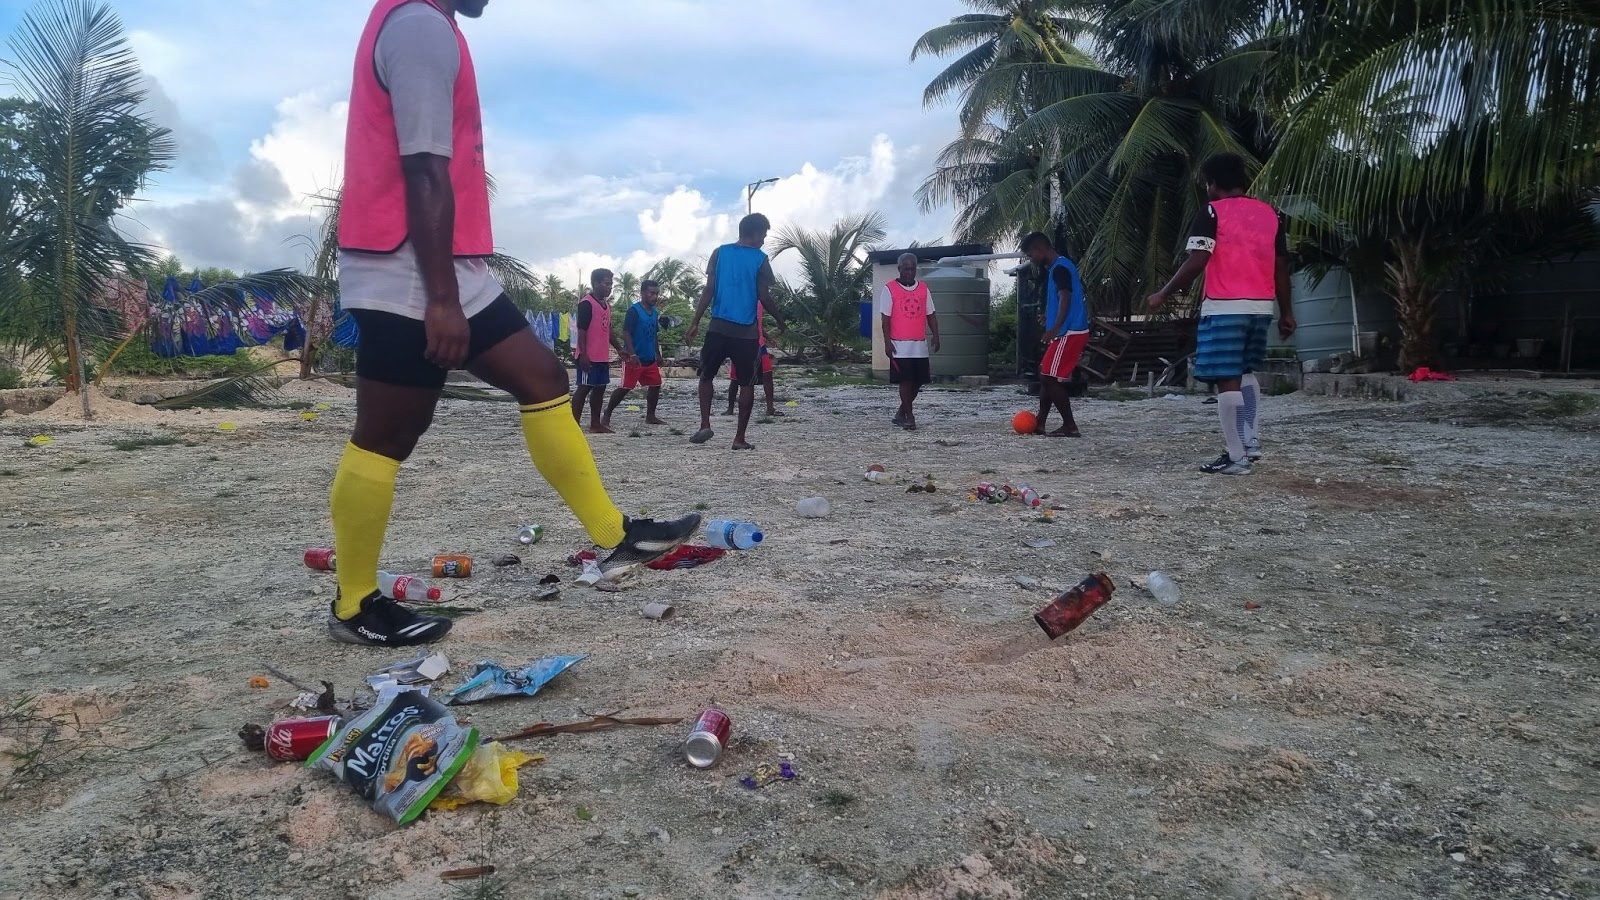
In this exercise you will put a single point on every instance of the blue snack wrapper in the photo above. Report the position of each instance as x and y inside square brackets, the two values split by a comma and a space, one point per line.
[490, 679]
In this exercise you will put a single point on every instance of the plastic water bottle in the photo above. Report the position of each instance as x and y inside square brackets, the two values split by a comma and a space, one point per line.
[730, 535]
[406, 587]
[813, 508]
[1028, 496]
[1163, 588]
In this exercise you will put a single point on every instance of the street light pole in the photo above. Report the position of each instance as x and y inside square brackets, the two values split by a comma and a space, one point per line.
[750, 193]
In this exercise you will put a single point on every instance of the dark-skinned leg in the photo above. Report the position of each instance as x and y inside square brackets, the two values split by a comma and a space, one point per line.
[1047, 399]
[733, 396]
[708, 392]
[611, 407]
[597, 396]
[526, 369]
[1069, 427]
[578, 398]
[772, 405]
[652, 397]
[747, 406]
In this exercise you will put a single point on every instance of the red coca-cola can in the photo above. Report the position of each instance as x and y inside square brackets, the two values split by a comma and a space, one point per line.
[707, 739]
[1069, 610]
[294, 740]
[322, 559]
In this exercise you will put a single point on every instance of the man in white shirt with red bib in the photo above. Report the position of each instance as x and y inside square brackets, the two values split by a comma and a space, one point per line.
[906, 307]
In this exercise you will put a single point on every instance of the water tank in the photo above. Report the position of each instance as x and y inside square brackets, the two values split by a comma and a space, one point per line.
[961, 299]
[1328, 318]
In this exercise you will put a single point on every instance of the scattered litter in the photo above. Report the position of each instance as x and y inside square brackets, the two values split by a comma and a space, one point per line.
[1424, 373]
[294, 740]
[507, 559]
[547, 592]
[989, 492]
[227, 427]
[581, 557]
[550, 578]
[425, 668]
[1069, 610]
[707, 739]
[322, 407]
[1163, 588]
[609, 587]
[659, 612]
[598, 723]
[321, 559]
[1026, 581]
[41, 440]
[400, 754]
[876, 475]
[591, 574]
[530, 534]
[467, 874]
[253, 736]
[257, 682]
[452, 565]
[688, 556]
[407, 588]
[490, 679]
[767, 774]
[1041, 543]
[308, 417]
[1251, 604]
[730, 535]
[813, 508]
[1178, 397]
[490, 776]
[792, 404]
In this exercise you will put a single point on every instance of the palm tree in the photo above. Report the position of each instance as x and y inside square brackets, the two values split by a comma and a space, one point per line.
[835, 276]
[1409, 126]
[1006, 33]
[86, 150]
[1109, 151]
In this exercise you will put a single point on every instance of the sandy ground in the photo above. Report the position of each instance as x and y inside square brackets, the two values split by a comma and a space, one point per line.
[1411, 711]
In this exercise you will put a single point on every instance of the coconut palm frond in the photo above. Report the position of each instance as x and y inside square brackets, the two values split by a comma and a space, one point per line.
[252, 389]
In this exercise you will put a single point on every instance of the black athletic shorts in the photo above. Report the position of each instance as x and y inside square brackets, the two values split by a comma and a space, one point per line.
[914, 370]
[391, 347]
[744, 353]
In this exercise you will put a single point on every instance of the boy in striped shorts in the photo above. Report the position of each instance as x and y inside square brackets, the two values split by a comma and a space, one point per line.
[1242, 247]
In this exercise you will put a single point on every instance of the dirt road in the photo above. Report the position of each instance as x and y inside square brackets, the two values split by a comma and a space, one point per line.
[1381, 680]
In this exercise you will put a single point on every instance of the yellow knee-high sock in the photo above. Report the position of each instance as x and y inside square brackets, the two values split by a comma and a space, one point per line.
[363, 493]
[562, 456]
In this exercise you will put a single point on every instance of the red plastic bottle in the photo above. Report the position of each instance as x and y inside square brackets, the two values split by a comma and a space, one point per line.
[1069, 610]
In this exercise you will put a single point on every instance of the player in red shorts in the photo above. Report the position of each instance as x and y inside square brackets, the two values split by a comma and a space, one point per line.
[1066, 321]
[765, 375]
[641, 357]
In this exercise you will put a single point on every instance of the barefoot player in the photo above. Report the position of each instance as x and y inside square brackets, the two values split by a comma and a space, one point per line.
[1066, 322]
[641, 362]
[907, 310]
[595, 343]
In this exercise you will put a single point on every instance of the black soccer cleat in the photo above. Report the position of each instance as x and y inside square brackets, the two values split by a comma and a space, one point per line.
[646, 540]
[384, 623]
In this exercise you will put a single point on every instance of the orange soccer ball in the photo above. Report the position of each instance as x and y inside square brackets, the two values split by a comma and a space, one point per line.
[1024, 422]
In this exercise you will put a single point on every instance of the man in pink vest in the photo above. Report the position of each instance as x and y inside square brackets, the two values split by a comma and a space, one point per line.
[414, 234]
[595, 342]
[906, 308]
[1241, 245]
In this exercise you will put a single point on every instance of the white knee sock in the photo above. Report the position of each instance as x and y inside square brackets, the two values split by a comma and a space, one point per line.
[1230, 406]
[1251, 389]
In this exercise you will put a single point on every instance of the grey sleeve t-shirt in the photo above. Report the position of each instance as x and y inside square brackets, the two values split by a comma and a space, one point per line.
[417, 61]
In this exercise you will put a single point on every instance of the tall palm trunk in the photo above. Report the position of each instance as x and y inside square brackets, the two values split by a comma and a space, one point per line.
[1416, 302]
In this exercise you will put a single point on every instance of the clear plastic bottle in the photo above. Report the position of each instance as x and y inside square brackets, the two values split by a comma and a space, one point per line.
[730, 535]
[406, 587]
[1163, 588]
[813, 508]
[1028, 496]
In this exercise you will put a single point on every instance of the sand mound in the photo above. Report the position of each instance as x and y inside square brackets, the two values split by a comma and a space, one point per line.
[103, 406]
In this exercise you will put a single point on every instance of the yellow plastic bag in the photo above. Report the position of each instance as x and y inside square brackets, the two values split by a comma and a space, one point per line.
[490, 776]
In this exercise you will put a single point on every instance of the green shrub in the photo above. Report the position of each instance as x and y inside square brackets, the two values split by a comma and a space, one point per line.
[10, 376]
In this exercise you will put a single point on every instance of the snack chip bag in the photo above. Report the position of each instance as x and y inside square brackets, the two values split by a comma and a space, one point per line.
[400, 754]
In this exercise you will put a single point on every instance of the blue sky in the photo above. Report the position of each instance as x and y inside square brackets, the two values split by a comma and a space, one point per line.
[619, 131]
